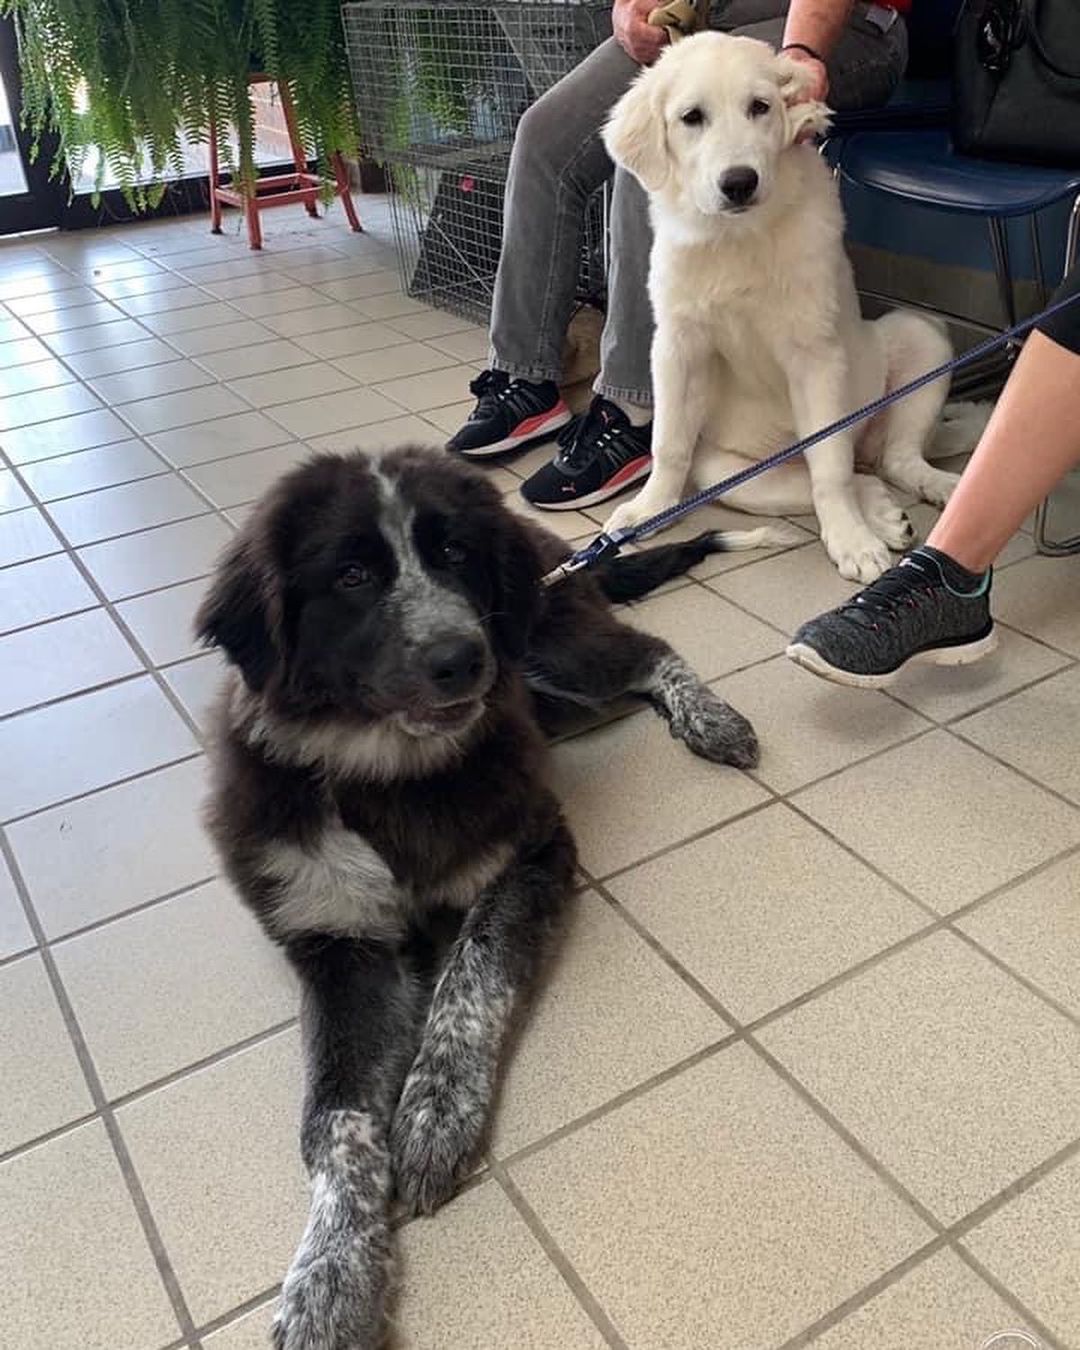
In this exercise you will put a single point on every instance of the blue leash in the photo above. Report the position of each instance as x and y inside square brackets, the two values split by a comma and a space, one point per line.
[608, 545]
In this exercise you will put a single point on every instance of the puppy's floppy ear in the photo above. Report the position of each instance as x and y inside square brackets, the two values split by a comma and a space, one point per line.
[518, 570]
[635, 135]
[806, 118]
[241, 613]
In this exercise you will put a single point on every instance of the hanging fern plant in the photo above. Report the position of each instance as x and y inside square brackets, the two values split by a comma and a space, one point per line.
[124, 83]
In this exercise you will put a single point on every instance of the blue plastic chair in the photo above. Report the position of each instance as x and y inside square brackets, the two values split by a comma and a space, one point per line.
[920, 166]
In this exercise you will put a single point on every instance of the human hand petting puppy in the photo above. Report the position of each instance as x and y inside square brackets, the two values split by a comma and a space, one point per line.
[639, 39]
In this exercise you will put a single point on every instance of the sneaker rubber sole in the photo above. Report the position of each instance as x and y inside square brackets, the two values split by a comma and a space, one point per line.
[957, 654]
[633, 472]
[532, 431]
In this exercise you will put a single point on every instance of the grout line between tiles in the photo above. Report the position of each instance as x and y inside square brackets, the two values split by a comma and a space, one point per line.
[577, 1286]
[1003, 1292]
[131, 910]
[97, 1095]
[101, 787]
[50, 1136]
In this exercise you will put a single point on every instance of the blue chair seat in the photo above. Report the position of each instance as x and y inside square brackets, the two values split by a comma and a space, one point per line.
[914, 103]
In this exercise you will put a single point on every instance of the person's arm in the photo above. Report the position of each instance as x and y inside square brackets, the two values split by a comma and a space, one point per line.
[812, 30]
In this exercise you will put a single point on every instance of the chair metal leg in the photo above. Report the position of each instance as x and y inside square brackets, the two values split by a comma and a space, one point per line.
[999, 243]
[1059, 548]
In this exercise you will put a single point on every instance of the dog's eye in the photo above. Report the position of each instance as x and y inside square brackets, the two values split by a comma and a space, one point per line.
[758, 108]
[693, 117]
[353, 575]
[454, 553]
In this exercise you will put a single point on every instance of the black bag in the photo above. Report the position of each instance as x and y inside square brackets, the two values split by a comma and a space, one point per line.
[1017, 80]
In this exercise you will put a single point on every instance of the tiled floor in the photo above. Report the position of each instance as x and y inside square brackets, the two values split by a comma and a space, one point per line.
[808, 1067]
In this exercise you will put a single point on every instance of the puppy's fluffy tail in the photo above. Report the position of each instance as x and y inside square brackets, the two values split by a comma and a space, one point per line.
[636, 574]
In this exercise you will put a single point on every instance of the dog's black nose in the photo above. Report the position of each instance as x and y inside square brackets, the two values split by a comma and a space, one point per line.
[454, 665]
[739, 185]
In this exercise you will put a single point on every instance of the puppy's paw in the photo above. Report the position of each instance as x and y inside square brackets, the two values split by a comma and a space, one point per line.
[887, 520]
[437, 1129]
[713, 729]
[634, 512]
[333, 1296]
[858, 553]
[935, 485]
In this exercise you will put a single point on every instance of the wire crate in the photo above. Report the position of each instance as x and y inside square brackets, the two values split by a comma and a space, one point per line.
[440, 88]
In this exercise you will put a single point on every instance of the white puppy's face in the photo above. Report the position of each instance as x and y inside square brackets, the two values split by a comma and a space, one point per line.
[705, 127]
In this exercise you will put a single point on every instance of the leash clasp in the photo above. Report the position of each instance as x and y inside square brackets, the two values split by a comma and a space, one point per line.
[603, 546]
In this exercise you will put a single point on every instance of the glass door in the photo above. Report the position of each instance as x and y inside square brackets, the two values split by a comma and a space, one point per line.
[28, 200]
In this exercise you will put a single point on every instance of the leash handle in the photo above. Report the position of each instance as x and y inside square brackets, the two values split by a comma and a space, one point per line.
[611, 544]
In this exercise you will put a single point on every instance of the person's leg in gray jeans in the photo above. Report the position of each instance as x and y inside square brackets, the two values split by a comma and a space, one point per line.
[864, 69]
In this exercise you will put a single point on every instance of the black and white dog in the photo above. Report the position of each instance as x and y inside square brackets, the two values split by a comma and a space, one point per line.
[379, 803]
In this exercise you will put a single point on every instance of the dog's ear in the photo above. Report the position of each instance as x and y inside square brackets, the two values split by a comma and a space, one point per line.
[518, 570]
[635, 135]
[804, 117]
[241, 614]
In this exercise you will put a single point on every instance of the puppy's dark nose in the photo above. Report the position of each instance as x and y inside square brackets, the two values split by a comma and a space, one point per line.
[739, 185]
[454, 665]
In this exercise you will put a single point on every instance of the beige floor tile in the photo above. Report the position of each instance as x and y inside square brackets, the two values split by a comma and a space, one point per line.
[681, 794]
[202, 952]
[351, 341]
[454, 416]
[360, 289]
[12, 496]
[15, 933]
[948, 1070]
[243, 361]
[25, 535]
[22, 410]
[334, 412]
[229, 287]
[809, 728]
[414, 358]
[320, 318]
[429, 323]
[141, 505]
[390, 307]
[943, 819]
[45, 589]
[11, 330]
[280, 300]
[567, 525]
[218, 439]
[408, 430]
[115, 360]
[243, 478]
[474, 1278]
[171, 377]
[79, 316]
[217, 1154]
[154, 558]
[164, 302]
[167, 323]
[707, 631]
[24, 349]
[1035, 928]
[947, 692]
[74, 1264]
[30, 378]
[1035, 731]
[941, 1304]
[49, 300]
[179, 410]
[163, 621]
[90, 470]
[43, 1085]
[221, 337]
[470, 345]
[1038, 596]
[64, 436]
[717, 1210]
[787, 589]
[287, 386]
[152, 283]
[61, 657]
[1032, 1245]
[115, 849]
[432, 390]
[97, 336]
[605, 978]
[196, 683]
[251, 1332]
[765, 909]
[86, 743]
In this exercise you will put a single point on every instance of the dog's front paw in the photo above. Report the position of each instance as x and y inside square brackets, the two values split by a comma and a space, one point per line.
[437, 1129]
[858, 553]
[887, 520]
[713, 729]
[632, 513]
[333, 1296]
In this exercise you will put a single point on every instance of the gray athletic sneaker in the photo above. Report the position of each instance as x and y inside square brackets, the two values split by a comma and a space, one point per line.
[927, 609]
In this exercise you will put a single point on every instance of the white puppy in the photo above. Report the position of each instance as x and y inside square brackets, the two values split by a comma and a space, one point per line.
[759, 339]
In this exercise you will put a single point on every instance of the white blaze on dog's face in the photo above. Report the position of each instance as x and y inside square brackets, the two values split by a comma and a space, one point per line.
[705, 127]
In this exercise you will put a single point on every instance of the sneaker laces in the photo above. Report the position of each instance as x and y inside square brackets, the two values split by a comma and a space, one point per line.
[490, 388]
[592, 433]
[892, 589]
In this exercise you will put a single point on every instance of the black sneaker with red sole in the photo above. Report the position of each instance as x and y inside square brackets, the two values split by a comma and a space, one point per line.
[601, 452]
[509, 415]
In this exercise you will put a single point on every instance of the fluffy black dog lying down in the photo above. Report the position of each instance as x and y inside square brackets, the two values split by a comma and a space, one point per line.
[379, 803]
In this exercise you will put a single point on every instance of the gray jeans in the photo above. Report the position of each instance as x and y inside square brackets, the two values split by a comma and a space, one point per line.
[559, 160]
